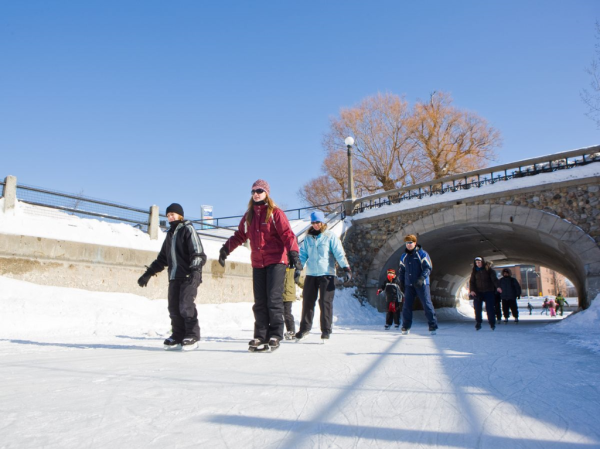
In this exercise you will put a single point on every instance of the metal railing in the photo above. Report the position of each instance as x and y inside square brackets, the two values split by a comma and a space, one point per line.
[479, 178]
[49, 202]
[61, 205]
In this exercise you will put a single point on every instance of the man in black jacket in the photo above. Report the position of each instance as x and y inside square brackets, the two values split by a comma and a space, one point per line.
[483, 285]
[511, 290]
[183, 254]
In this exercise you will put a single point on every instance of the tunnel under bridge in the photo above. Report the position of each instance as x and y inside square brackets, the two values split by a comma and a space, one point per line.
[537, 225]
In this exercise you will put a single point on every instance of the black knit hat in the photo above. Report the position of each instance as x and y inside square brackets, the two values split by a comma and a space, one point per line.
[175, 208]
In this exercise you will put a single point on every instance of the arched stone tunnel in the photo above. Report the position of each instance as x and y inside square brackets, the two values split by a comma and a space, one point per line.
[503, 234]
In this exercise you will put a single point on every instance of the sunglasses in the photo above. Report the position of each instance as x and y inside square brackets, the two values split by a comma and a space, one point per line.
[409, 243]
[259, 191]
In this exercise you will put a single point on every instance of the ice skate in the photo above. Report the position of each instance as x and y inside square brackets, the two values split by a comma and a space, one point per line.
[171, 344]
[289, 335]
[324, 337]
[405, 331]
[386, 327]
[396, 326]
[301, 336]
[257, 345]
[189, 343]
[273, 344]
[433, 329]
[478, 326]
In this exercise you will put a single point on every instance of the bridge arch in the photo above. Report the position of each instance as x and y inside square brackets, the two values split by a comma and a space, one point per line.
[502, 233]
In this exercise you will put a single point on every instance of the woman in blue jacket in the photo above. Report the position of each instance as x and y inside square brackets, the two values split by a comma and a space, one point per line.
[318, 253]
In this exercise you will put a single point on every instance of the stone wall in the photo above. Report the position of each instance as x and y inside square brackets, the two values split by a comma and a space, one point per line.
[111, 269]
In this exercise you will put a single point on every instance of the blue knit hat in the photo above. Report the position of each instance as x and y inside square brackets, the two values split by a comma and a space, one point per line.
[317, 216]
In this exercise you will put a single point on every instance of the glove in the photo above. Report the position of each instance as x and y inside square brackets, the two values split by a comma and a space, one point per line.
[297, 275]
[145, 278]
[378, 290]
[223, 253]
[294, 260]
[392, 307]
[419, 282]
[348, 274]
[195, 277]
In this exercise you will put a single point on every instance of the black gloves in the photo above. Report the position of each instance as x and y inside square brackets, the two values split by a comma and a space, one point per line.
[223, 253]
[294, 260]
[145, 278]
[348, 274]
[419, 282]
[195, 276]
[297, 275]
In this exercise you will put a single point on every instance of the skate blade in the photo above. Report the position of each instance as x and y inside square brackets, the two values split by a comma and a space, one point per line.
[172, 348]
[190, 347]
[432, 333]
[263, 348]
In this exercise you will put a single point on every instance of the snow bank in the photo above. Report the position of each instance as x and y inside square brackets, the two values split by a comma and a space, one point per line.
[29, 310]
[581, 327]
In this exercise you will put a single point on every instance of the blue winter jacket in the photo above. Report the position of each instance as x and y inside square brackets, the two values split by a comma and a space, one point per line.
[415, 265]
[318, 254]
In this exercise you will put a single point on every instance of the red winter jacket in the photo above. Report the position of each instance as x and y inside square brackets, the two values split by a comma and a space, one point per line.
[269, 242]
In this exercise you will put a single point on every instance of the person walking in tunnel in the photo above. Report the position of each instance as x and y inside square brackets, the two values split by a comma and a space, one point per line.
[560, 303]
[394, 296]
[415, 268]
[511, 291]
[529, 307]
[483, 285]
[544, 307]
[273, 247]
[318, 253]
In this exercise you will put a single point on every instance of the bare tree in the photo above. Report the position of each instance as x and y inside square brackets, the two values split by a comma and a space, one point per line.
[379, 127]
[450, 140]
[591, 97]
[396, 146]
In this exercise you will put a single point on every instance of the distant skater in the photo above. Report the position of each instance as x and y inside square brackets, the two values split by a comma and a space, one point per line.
[560, 303]
[183, 254]
[511, 291]
[394, 296]
[484, 285]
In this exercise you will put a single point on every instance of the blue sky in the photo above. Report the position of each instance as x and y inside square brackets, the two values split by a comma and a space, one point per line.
[153, 102]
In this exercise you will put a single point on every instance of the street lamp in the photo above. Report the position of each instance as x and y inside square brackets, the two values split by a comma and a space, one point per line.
[349, 141]
[530, 270]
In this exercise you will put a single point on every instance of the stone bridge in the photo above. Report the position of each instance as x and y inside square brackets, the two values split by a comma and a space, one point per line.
[551, 219]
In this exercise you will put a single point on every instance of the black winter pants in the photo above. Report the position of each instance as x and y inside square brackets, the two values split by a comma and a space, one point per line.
[288, 317]
[268, 301]
[393, 317]
[510, 306]
[489, 299]
[323, 288]
[182, 310]
[498, 306]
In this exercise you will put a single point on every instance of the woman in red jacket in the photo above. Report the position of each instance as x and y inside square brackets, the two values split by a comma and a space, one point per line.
[273, 246]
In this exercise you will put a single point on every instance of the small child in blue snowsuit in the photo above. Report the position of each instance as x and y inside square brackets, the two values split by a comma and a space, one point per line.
[394, 298]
